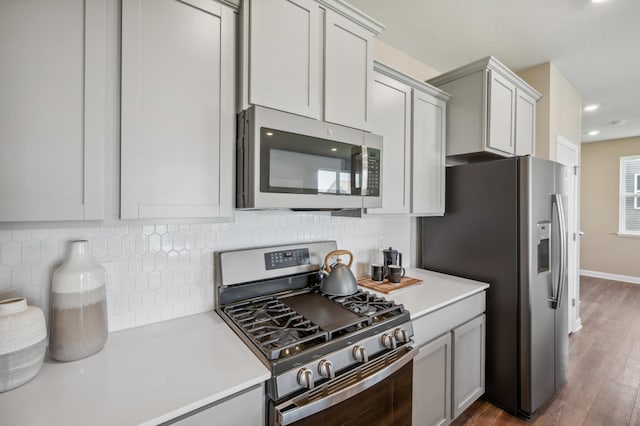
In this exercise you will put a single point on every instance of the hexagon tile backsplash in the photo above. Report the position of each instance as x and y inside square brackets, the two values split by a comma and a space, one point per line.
[160, 272]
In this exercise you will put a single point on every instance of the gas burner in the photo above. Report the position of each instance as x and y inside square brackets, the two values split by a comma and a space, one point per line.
[286, 337]
[363, 309]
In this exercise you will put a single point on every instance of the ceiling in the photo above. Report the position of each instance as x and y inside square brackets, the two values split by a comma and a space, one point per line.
[596, 46]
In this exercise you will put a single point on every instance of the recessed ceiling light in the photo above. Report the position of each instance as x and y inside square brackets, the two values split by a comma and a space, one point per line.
[593, 132]
[591, 107]
[334, 149]
[269, 133]
[598, 1]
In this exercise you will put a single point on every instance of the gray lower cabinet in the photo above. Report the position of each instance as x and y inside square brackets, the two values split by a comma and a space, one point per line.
[432, 393]
[243, 408]
[448, 372]
[468, 363]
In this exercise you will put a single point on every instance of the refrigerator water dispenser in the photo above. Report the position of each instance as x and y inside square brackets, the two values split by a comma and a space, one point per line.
[544, 254]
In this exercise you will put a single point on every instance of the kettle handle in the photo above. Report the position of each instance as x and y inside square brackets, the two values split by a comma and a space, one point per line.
[336, 253]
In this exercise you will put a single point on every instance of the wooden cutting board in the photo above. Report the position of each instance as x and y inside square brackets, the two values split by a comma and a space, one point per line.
[386, 286]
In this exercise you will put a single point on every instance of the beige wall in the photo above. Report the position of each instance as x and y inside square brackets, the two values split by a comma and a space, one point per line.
[539, 77]
[565, 117]
[602, 250]
[559, 111]
[399, 60]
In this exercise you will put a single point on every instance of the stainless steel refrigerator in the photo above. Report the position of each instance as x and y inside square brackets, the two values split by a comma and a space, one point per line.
[505, 224]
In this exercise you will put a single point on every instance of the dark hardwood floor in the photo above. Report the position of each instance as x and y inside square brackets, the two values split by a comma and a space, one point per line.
[604, 365]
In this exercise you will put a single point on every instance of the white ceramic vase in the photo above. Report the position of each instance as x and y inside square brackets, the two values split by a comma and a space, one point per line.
[23, 342]
[78, 306]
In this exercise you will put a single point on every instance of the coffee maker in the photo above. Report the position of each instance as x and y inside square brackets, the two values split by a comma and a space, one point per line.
[391, 257]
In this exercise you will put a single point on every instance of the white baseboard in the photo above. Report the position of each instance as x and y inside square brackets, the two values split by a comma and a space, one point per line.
[577, 326]
[608, 276]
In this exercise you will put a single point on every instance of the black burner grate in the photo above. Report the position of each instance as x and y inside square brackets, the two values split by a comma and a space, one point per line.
[276, 329]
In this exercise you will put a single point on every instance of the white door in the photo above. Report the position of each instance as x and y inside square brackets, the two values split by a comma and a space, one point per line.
[567, 154]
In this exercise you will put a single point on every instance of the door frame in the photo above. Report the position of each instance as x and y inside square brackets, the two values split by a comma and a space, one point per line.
[568, 153]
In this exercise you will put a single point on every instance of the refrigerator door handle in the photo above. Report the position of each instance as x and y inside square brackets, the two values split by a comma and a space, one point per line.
[556, 201]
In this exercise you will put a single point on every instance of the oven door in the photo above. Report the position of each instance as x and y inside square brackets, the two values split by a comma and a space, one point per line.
[377, 392]
[297, 162]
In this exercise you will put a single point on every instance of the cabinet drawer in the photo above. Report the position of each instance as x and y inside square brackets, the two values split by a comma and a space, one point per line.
[443, 320]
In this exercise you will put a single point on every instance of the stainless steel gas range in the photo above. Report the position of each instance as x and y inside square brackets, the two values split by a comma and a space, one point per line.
[333, 358]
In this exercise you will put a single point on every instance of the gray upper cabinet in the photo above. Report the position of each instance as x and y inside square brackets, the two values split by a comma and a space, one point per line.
[500, 116]
[491, 111]
[348, 64]
[282, 44]
[428, 153]
[391, 118]
[178, 114]
[411, 117]
[525, 124]
[52, 110]
[308, 57]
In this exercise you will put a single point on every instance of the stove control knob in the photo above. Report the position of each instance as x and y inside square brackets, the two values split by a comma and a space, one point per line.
[360, 354]
[305, 378]
[388, 341]
[325, 368]
[401, 335]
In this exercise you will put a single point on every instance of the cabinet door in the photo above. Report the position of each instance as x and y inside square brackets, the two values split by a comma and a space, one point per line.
[525, 123]
[428, 155]
[468, 363]
[245, 408]
[348, 76]
[501, 114]
[52, 110]
[391, 118]
[177, 109]
[284, 55]
[432, 383]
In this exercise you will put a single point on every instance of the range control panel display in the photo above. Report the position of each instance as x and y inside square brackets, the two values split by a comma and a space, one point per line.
[286, 258]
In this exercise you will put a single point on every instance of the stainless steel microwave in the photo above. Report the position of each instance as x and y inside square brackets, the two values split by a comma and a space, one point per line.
[289, 161]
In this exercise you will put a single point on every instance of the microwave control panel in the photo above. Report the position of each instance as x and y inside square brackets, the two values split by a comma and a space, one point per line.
[373, 173]
[286, 258]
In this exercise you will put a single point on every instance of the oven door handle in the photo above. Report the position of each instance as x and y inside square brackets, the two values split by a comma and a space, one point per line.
[301, 407]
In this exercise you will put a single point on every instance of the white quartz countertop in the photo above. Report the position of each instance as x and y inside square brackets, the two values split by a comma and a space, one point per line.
[436, 291]
[144, 375]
